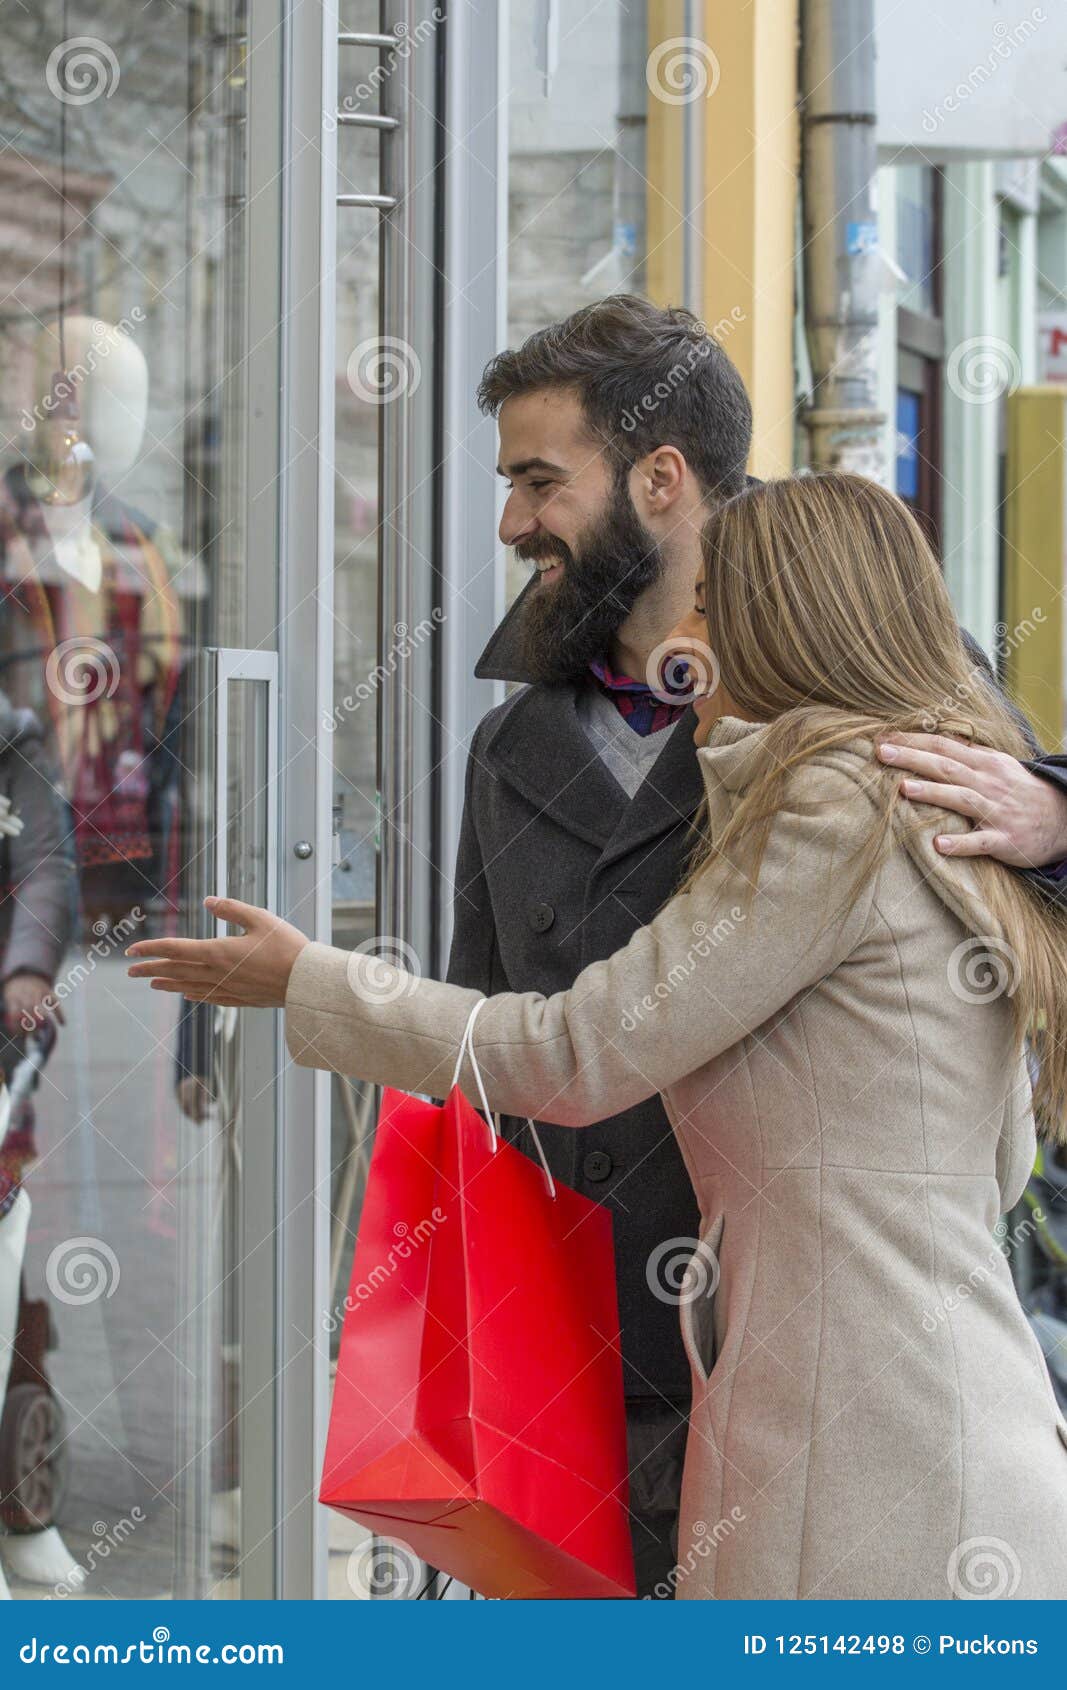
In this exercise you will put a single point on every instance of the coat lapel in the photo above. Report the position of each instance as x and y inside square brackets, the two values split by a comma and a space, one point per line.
[502, 658]
[541, 750]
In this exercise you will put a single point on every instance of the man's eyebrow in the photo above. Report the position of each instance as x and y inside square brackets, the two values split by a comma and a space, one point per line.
[524, 466]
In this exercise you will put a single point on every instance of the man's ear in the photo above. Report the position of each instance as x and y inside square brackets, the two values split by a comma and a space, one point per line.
[658, 481]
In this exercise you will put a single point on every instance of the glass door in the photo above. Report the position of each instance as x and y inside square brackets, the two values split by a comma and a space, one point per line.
[138, 697]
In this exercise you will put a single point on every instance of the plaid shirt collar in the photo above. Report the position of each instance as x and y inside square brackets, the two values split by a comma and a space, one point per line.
[646, 712]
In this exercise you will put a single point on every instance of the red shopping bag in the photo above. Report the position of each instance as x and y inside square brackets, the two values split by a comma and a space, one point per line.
[478, 1408]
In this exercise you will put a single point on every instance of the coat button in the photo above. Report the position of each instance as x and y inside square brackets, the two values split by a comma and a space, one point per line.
[597, 1165]
[541, 917]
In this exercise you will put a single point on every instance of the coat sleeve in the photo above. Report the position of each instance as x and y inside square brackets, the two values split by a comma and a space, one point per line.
[1049, 879]
[712, 967]
[42, 868]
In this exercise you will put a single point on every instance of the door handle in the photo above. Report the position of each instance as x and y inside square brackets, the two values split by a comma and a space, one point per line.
[258, 670]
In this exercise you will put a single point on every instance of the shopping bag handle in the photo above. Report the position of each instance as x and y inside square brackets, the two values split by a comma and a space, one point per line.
[466, 1048]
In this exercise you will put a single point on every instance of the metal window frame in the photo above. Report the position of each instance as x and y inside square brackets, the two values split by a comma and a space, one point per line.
[472, 584]
[262, 1117]
[303, 407]
[408, 729]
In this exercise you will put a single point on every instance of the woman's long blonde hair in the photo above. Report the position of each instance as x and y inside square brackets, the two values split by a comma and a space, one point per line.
[830, 621]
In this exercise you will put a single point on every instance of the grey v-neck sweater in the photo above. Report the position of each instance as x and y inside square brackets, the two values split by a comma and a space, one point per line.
[626, 755]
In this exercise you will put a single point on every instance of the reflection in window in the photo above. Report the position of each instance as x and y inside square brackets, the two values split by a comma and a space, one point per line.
[121, 556]
[916, 211]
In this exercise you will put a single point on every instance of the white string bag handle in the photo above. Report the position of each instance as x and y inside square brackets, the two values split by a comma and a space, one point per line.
[466, 1048]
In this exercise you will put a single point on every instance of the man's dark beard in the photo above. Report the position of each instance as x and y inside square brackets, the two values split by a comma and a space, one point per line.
[572, 621]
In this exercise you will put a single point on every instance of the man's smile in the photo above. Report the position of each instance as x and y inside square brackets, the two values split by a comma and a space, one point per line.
[548, 569]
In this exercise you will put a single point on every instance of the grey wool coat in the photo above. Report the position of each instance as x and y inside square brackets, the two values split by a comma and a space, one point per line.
[556, 869]
[872, 1416]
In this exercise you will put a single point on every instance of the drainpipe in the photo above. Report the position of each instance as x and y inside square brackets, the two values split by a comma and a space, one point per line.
[841, 258]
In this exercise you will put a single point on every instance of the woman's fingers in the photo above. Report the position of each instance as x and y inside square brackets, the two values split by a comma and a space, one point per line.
[187, 977]
[248, 916]
[222, 997]
[171, 949]
[171, 969]
[231, 910]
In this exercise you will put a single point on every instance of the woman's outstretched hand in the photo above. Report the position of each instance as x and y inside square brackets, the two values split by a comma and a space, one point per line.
[250, 970]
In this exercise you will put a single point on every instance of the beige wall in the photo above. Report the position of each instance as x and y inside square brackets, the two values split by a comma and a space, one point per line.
[751, 168]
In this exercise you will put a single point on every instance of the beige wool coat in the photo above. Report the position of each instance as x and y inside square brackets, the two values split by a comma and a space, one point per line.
[871, 1416]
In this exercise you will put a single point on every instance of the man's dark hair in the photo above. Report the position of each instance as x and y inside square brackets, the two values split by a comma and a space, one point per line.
[646, 376]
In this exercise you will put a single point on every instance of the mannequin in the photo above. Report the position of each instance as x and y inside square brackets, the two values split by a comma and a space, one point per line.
[87, 583]
[90, 641]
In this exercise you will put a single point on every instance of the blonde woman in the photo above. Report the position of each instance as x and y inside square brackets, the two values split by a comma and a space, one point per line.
[835, 1015]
